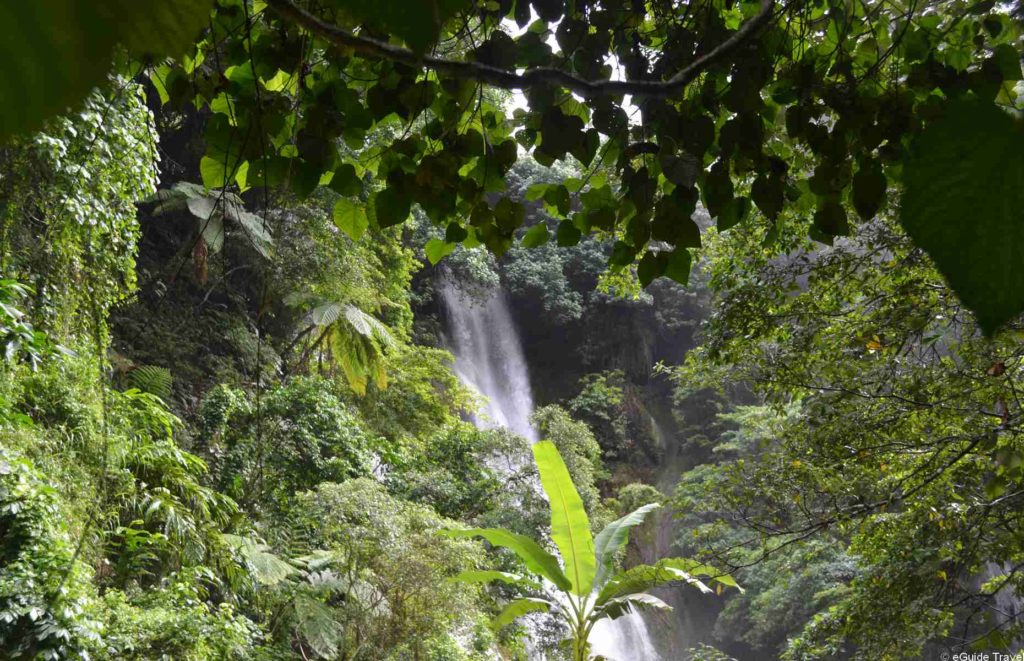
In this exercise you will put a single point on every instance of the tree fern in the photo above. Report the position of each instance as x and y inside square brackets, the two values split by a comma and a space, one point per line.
[353, 340]
[210, 208]
[266, 567]
[317, 627]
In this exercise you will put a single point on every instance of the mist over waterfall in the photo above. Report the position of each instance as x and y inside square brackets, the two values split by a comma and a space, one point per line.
[481, 332]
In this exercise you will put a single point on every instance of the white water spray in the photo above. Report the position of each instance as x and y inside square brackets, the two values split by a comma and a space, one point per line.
[489, 359]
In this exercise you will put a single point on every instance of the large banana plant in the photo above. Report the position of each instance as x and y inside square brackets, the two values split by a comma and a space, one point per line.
[585, 587]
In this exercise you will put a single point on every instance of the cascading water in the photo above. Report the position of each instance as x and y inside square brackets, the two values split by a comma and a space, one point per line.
[623, 639]
[489, 358]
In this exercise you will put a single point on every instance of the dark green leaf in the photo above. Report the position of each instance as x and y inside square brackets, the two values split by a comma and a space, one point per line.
[733, 213]
[568, 234]
[455, 233]
[869, 188]
[55, 51]
[345, 182]
[678, 266]
[652, 265]
[537, 235]
[767, 193]
[830, 219]
[509, 215]
[391, 207]
[963, 199]
[623, 254]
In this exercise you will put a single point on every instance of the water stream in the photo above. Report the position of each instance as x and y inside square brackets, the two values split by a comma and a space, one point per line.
[481, 333]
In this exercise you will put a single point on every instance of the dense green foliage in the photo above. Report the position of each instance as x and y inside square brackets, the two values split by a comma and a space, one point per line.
[804, 107]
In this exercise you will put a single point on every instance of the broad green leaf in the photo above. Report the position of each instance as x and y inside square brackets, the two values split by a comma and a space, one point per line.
[159, 78]
[645, 577]
[345, 180]
[614, 536]
[437, 249]
[212, 230]
[391, 207]
[55, 51]
[202, 207]
[830, 221]
[455, 233]
[536, 559]
[570, 527]
[520, 607]
[678, 266]
[509, 215]
[567, 234]
[767, 194]
[282, 81]
[869, 188]
[214, 172]
[255, 229]
[418, 24]
[619, 606]
[734, 212]
[651, 266]
[963, 204]
[1007, 61]
[536, 192]
[350, 217]
[316, 625]
[536, 236]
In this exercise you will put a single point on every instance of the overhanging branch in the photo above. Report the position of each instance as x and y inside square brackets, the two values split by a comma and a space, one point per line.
[507, 79]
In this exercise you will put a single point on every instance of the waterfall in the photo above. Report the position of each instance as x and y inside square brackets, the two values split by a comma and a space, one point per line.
[624, 639]
[482, 335]
[1008, 606]
[489, 357]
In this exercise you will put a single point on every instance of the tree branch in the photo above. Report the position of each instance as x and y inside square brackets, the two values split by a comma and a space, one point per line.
[507, 79]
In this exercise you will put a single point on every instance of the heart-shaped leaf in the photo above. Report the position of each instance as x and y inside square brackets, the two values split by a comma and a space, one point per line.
[963, 204]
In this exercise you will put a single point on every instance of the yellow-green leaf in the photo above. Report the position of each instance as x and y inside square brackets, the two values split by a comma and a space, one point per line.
[350, 217]
[570, 527]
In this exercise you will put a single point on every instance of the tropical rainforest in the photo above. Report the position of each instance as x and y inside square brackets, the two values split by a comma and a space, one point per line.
[460, 330]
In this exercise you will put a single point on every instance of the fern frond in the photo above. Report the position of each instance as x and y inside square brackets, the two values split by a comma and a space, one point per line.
[317, 626]
[369, 326]
[151, 379]
[326, 314]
